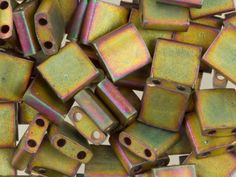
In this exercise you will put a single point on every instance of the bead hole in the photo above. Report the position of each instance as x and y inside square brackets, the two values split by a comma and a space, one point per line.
[41, 170]
[78, 116]
[156, 82]
[48, 45]
[181, 88]
[212, 132]
[205, 154]
[96, 135]
[221, 78]
[81, 155]
[147, 153]
[61, 142]
[4, 5]
[40, 122]
[127, 141]
[31, 143]
[43, 21]
[5, 29]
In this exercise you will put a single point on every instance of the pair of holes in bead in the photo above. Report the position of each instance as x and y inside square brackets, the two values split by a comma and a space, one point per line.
[229, 148]
[3, 6]
[32, 143]
[81, 155]
[213, 132]
[47, 44]
[128, 142]
[158, 82]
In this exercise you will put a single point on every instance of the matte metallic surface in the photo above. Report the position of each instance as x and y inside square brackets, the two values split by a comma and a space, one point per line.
[100, 19]
[23, 17]
[117, 103]
[76, 21]
[50, 158]
[184, 3]
[24, 150]
[221, 54]
[230, 19]
[192, 98]
[6, 168]
[96, 110]
[131, 96]
[149, 36]
[177, 171]
[205, 146]
[100, 77]
[8, 130]
[42, 98]
[104, 164]
[216, 109]
[6, 20]
[74, 142]
[146, 174]
[13, 85]
[45, 172]
[164, 104]
[183, 146]
[132, 163]
[219, 81]
[176, 61]
[69, 71]
[136, 80]
[197, 34]
[26, 113]
[218, 166]
[142, 139]
[122, 52]
[210, 8]
[157, 16]
[40, 57]
[53, 31]
[209, 21]
[90, 52]
[67, 9]
[86, 126]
